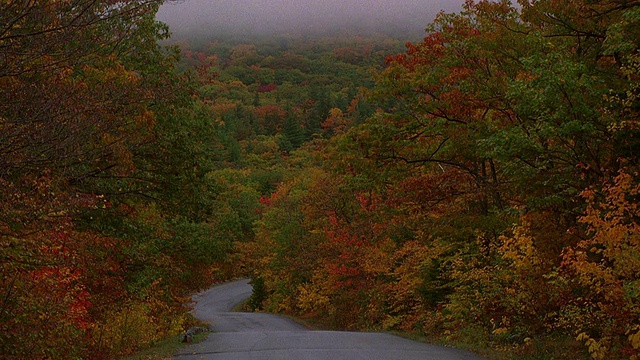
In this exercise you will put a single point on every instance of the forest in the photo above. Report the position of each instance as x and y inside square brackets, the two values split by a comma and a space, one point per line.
[478, 187]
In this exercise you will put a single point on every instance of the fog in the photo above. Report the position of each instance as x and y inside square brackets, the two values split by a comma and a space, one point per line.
[295, 17]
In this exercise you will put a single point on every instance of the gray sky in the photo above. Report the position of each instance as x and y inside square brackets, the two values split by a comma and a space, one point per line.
[300, 16]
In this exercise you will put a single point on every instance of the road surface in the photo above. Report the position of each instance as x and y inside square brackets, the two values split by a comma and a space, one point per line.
[259, 336]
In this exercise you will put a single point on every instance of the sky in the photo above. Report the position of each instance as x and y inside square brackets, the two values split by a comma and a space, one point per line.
[291, 17]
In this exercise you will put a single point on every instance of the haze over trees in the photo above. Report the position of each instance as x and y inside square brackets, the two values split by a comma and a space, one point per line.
[478, 186]
[247, 18]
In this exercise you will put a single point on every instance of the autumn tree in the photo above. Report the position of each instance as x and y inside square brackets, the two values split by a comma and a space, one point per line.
[81, 86]
[502, 153]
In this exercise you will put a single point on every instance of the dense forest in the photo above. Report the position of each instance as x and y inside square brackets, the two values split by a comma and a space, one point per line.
[478, 187]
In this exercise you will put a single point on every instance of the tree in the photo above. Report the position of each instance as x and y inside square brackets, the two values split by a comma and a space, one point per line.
[502, 153]
[80, 88]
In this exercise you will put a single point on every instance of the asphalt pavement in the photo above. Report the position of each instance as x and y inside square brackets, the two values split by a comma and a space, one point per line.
[259, 336]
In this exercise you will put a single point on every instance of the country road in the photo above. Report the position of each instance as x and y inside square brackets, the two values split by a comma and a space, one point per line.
[243, 336]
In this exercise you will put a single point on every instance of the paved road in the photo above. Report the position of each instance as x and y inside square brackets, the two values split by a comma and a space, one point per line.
[244, 336]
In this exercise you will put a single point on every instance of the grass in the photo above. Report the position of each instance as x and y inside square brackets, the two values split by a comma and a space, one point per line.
[241, 307]
[167, 347]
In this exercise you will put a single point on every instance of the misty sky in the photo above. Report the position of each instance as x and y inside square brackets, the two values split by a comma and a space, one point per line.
[301, 16]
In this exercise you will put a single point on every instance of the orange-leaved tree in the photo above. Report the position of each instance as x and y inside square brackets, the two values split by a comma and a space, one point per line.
[81, 86]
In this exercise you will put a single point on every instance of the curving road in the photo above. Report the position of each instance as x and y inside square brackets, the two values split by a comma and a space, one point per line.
[259, 336]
